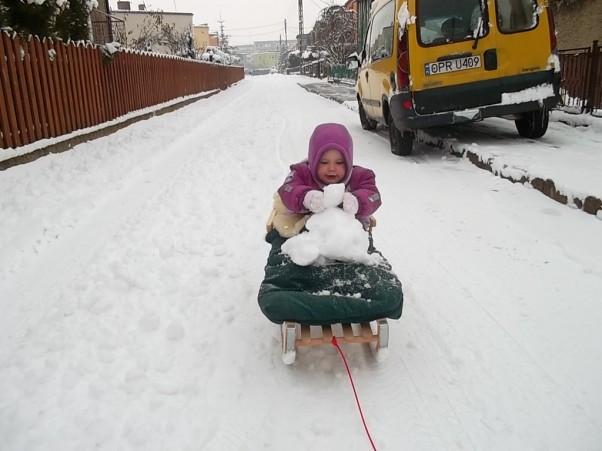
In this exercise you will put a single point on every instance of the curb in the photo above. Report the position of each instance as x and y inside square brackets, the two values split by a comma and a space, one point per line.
[590, 204]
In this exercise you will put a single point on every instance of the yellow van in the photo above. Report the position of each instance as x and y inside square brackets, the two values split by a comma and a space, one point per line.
[436, 62]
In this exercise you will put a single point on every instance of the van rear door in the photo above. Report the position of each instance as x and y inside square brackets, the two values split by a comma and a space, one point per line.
[522, 42]
[452, 48]
[467, 53]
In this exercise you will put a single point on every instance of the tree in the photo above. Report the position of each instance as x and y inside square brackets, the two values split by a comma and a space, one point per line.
[223, 38]
[65, 19]
[72, 22]
[150, 31]
[28, 18]
[335, 33]
[294, 59]
[282, 59]
[179, 43]
[154, 33]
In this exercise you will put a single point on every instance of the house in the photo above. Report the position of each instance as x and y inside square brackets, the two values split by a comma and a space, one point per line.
[201, 37]
[262, 54]
[265, 60]
[143, 28]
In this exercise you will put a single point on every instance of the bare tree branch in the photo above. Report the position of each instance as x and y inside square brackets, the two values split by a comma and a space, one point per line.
[335, 33]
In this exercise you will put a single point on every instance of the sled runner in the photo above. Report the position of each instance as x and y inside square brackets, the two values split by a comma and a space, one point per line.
[349, 301]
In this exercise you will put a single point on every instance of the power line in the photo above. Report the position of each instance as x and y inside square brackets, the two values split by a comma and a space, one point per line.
[259, 26]
[293, 28]
[320, 6]
[256, 34]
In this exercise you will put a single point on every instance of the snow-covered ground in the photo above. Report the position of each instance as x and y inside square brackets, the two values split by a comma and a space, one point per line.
[129, 270]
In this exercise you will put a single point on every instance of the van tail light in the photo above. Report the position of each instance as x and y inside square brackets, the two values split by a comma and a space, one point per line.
[403, 62]
[552, 28]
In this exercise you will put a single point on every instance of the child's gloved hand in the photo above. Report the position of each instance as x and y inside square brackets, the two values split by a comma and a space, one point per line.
[350, 204]
[314, 201]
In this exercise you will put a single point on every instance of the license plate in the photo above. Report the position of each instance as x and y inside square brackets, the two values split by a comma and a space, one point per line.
[441, 67]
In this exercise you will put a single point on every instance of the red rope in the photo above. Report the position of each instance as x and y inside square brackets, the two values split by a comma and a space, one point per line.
[336, 345]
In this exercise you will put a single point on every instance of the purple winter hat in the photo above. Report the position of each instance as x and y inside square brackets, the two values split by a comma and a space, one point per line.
[326, 137]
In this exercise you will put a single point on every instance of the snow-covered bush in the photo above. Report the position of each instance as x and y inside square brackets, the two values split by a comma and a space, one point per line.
[215, 55]
[66, 19]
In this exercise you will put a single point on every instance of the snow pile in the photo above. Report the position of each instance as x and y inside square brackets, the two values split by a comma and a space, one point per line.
[536, 93]
[331, 235]
[110, 48]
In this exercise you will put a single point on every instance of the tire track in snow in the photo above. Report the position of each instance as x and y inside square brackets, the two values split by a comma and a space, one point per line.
[65, 259]
[99, 332]
[448, 328]
[396, 383]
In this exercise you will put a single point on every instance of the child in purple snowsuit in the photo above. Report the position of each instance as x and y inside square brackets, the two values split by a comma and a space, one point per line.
[330, 160]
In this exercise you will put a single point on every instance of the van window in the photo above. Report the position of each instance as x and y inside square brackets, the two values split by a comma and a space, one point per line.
[516, 15]
[444, 21]
[381, 35]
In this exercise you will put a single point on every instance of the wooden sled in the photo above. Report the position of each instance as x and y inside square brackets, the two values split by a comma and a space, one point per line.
[295, 335]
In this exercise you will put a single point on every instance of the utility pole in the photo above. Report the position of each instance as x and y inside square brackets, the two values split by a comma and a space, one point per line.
[285, 36]
[301, 26]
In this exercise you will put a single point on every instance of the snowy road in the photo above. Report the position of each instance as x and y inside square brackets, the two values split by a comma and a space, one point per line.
[129, 270]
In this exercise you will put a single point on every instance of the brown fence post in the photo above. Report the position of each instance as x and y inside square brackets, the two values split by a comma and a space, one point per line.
[592, 79]
[37, 80]
[47, 95]
[59, 65]
[8, 120]
[31, 100]
[15, 75]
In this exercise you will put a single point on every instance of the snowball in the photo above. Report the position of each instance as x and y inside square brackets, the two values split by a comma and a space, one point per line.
[333, 195]
[331, 235]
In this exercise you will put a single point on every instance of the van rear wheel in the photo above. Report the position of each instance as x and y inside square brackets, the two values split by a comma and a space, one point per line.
[401, 142]
[533, 124]
[367, 123]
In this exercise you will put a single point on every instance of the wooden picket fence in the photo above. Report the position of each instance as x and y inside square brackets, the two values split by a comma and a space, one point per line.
[49, 88]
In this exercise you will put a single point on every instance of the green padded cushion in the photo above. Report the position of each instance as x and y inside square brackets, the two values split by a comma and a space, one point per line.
[330, 294]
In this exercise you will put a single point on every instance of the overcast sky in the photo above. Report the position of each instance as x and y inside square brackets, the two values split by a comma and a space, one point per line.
[245, 21]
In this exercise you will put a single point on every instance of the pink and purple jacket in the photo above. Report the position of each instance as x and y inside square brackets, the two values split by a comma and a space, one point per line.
[300, 180]
[358, 180]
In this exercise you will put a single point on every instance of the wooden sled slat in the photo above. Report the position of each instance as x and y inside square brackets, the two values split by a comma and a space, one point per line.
[327, 333]
[345, 333]
[295, 335]
[357, 335]
[367, 330]
[305, 335]
[313, 336]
